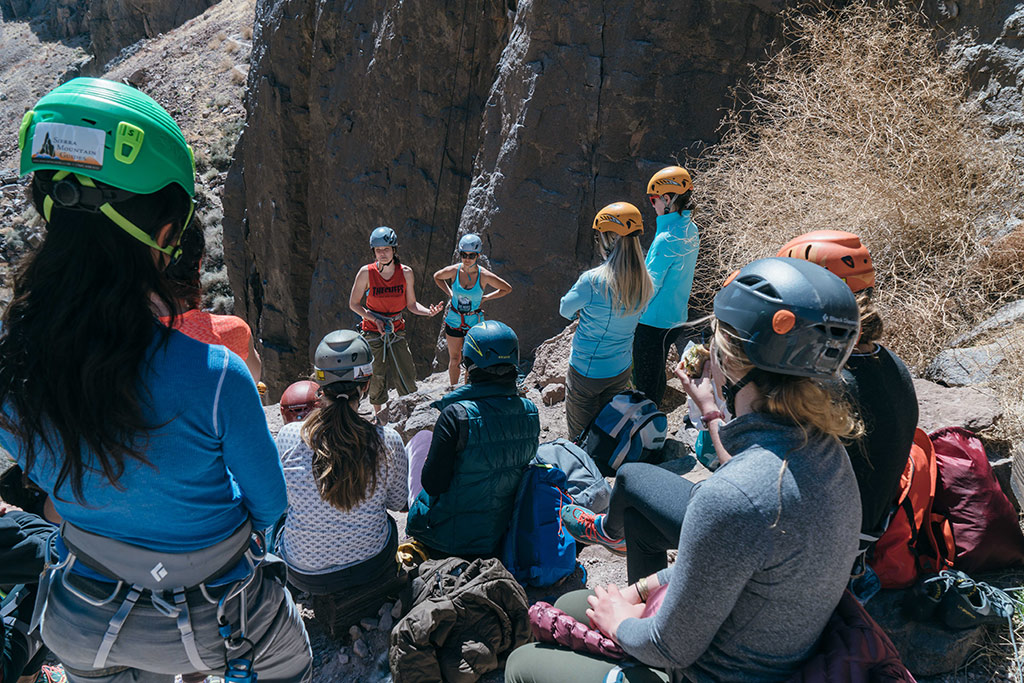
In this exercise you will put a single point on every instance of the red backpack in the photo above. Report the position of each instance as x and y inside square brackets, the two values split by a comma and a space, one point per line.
[917, 538]
[984, 523]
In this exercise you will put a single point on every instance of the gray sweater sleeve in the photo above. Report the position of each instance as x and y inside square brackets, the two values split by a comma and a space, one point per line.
[724, 540]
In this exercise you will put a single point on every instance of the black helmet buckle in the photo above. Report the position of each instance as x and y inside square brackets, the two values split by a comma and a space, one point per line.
[66, 193]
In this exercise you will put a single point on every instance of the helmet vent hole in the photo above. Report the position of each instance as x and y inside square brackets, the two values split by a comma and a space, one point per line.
[90, 121]
[807, 253]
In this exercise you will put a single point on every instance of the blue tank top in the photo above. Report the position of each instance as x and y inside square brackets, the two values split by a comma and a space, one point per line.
[464, 309]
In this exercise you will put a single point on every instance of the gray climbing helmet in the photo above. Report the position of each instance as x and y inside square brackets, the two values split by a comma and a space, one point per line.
[471, 243]
[383, 237]
[793, 316]
[343, 356]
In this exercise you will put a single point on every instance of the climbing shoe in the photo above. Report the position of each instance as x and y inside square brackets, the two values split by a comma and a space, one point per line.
[923, 600]
[969, 603]
[586, 527]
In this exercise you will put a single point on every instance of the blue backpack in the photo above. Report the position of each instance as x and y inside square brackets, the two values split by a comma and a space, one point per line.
[629, 428]
[537, 551]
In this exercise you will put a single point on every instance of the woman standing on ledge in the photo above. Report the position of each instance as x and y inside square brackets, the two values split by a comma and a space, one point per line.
[464, 284]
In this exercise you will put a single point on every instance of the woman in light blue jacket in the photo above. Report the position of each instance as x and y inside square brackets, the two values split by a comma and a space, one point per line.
[670, 261]
[609, 300]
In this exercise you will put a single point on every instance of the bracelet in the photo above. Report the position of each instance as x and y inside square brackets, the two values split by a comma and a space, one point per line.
[642, 590]
[708, 418]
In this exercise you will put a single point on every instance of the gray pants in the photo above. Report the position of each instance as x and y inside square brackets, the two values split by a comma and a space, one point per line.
[544, 663]
[585, 396]
[149, 646]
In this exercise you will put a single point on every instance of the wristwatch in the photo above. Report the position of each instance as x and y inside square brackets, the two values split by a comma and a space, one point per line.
[708, 418]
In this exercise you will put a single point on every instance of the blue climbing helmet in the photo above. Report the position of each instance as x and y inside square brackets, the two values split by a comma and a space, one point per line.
[490, 343]
[383, 237]
[471, 243]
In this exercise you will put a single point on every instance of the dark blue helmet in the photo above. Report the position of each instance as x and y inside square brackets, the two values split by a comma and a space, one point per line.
[793, 316]
[383, 237]
[490, 343]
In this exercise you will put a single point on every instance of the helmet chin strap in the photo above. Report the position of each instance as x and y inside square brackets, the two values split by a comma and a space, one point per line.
[731, 389]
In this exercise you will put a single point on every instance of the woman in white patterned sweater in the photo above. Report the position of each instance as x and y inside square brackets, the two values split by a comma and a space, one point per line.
[343, 475]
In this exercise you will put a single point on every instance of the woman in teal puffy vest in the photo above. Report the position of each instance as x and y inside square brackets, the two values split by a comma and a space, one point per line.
[485, 436]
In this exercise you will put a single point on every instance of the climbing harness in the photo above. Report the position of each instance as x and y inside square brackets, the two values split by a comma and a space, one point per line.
[166, 579]
[388, 337]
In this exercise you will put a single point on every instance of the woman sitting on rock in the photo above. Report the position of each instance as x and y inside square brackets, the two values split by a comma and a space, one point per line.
[484, 437]
[343, 476]
[874, 380]
[184, 279]
[466, 291]
[153, 447]
[608, 300]
[767, 541]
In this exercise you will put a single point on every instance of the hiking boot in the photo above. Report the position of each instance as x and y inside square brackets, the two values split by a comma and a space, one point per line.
[921, 602]
[971, 603]
[586, 527]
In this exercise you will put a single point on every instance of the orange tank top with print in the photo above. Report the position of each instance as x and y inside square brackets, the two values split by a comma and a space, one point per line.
[386, 297]
[210, 328]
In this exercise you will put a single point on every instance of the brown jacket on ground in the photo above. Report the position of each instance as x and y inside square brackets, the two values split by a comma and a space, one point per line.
[466, 618]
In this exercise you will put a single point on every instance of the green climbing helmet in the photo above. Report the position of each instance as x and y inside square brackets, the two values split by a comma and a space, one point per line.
[93, 129]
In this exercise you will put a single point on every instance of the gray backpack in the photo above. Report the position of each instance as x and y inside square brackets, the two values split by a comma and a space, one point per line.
[586, 484]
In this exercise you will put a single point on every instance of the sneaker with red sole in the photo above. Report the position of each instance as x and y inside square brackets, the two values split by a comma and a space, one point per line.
[586, 527]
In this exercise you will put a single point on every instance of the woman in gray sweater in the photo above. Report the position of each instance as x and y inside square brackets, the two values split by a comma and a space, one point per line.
[767, 541]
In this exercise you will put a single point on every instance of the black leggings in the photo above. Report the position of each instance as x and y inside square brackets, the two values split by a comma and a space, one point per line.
[648, 505]
[650, 350]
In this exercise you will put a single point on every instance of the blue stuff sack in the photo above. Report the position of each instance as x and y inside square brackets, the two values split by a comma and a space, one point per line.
[629, 428]
[537, 551]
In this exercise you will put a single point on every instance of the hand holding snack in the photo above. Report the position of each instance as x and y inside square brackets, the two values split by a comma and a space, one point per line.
[694, 359]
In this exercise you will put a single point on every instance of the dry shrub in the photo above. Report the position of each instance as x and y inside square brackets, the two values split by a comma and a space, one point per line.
[860, 124]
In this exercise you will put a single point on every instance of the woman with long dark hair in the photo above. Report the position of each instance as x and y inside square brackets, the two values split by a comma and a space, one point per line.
[343, 475]
[608, 300]
[152, 446]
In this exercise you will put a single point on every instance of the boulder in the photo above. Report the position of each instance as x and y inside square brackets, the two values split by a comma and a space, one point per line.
[552, 394]
[551, 360]
[514, 120]
[927, 648]
[970, 407]
[966, 367]
[1006, 316]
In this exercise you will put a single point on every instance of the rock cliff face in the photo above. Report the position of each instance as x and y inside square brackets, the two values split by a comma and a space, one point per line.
[515, 120]
[112, 24]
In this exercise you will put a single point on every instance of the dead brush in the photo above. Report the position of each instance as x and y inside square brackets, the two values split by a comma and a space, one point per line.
[861, 124]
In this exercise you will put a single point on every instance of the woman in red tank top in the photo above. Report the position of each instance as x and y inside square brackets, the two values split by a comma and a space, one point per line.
[389, 288]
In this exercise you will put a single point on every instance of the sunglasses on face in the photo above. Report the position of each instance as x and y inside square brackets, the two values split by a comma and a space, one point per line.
[467, 254]
[654, 198]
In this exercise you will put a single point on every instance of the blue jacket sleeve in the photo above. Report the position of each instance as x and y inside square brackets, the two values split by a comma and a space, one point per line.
[658, 263]
[248, 448]
[576, 298]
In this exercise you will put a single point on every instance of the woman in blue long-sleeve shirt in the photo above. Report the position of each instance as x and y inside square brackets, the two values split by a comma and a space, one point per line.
[670, 261]
[609, 300]
[152, 446]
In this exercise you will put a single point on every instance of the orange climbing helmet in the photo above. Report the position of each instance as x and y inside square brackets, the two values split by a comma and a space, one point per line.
[670, 180]
[298, 400]
[622, 218]
[840, 252]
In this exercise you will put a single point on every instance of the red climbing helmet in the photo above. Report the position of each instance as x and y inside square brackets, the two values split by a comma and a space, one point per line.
[840, 252]
[298, 400]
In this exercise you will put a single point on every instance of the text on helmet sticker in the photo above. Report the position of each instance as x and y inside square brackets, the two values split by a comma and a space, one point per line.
[67, 145]
[362, 371]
